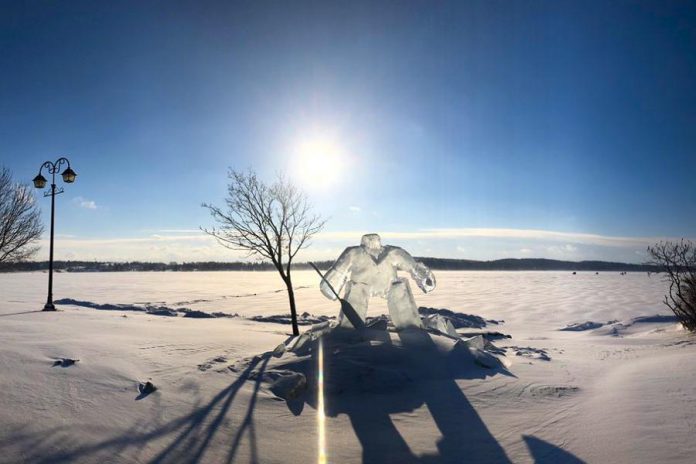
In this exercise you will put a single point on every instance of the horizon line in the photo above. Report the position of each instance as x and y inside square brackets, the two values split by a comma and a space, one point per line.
[461, 260]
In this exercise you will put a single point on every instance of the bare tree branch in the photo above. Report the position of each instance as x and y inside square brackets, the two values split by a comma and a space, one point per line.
[20, 220]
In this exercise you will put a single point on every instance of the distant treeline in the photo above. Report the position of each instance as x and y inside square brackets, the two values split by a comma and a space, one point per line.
[140, 266]
[510, 264]
[534, 264]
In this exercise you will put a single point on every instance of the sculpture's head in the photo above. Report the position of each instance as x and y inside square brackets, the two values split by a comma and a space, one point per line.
[372, 243]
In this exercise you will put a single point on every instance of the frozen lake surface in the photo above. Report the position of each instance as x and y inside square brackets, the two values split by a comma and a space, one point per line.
[533, 299]
[618, 387]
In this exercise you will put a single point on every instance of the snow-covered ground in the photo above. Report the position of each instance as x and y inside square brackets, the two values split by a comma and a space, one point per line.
[620, 389]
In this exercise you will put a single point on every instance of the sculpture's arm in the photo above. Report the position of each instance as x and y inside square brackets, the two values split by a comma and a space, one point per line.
[420, 273]
[337, 275]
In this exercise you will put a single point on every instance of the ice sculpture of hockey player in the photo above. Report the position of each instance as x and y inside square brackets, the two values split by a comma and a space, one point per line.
[371, 270]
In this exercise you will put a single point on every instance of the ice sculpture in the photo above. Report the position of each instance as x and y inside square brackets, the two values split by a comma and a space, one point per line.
[371, 270]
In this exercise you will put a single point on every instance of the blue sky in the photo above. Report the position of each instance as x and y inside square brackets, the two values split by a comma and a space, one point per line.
[466, 129]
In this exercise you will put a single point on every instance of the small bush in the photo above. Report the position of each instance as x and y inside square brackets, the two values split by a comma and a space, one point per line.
[677, 260]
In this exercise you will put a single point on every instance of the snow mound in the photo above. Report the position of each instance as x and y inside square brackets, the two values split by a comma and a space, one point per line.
[149, 309]
[458, 320]
[539, 354]
[582, 326]
[194, 313]
[160, 310]
[370, 362]
[636, 325]
[616, 328]
[106, 306]
[302, 319]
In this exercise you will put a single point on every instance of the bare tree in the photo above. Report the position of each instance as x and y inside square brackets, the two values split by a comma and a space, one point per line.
[20, 219]
[678, 261]
[268, 221]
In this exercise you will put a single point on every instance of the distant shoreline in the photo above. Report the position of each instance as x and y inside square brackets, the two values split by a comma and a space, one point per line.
[438, 264]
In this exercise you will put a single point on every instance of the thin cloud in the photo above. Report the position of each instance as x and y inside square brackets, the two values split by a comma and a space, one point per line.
[155, 238]
[84, 203]
[524, 234]
[172, 231]
[150, 248]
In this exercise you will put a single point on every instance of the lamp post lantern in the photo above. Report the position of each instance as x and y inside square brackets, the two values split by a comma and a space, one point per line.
[40, 182]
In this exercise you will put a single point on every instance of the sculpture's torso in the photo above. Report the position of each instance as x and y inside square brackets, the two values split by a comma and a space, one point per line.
[378, 272]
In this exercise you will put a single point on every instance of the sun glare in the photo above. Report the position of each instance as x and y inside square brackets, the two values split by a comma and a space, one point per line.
[321, 417]
[318, 163]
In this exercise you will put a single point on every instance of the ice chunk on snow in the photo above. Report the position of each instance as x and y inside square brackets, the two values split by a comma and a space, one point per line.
[288, 385]
[440, 323]
[477, 341]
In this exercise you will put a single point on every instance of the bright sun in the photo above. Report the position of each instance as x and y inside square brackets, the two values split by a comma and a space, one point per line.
[318, 163]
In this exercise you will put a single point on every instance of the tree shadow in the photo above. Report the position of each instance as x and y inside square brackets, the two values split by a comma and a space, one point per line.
[189, 435]
[368, 400]
[545, 453]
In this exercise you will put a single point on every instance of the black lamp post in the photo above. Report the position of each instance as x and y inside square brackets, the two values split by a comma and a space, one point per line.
[40, 182]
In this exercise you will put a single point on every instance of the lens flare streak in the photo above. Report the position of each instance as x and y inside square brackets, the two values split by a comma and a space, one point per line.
[321, 418]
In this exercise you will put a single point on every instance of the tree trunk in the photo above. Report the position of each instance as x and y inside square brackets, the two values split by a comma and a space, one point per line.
[293, 309]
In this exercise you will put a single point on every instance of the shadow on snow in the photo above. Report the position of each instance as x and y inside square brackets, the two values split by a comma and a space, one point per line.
[429, 381]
